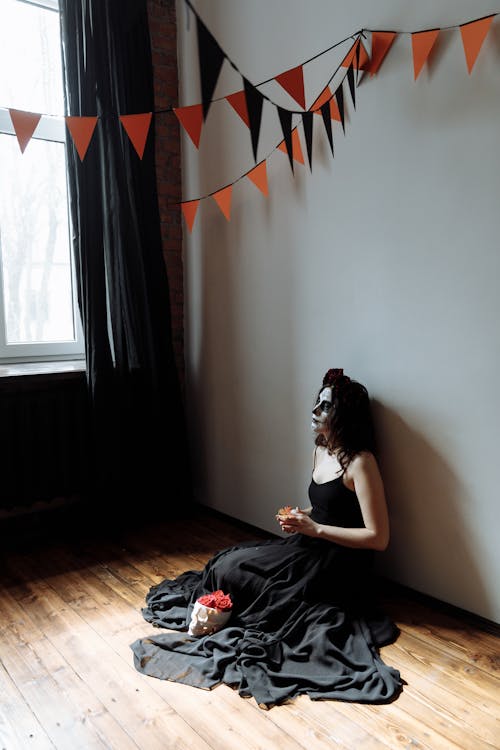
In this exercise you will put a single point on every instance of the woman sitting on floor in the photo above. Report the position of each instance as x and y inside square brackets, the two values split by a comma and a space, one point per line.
[304, 619]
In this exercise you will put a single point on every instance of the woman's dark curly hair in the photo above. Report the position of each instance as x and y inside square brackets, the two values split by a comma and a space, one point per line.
[350, 420]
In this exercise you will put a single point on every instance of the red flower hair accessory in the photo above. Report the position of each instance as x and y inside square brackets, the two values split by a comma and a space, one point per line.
[335, 377]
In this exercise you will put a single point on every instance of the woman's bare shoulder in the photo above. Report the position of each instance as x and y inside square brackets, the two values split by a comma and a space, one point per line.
[364, 463]
[364, 458]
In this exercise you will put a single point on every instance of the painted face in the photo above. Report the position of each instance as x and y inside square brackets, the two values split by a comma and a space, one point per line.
[322, 411]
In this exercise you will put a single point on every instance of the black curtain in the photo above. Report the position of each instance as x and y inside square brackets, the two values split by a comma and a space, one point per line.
[137, 452]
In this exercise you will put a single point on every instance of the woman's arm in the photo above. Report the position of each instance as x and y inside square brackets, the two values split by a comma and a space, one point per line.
[369, 488]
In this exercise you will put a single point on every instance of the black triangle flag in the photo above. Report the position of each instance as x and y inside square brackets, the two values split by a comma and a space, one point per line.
[352, 87]
[357, 56]
[286, 125]
[307, 122]
[340, 104]
[327, 119]
[254, 100]
[210, 58]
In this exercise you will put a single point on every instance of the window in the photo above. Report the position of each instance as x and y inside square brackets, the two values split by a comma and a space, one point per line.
[39, 318]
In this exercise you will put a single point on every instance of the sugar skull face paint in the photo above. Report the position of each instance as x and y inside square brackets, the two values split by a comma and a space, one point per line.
[322, 410]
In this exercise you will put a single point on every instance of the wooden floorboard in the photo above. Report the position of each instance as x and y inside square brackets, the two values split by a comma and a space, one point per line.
[70, 610]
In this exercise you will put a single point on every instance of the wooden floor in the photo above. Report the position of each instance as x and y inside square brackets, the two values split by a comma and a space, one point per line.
[69, 612]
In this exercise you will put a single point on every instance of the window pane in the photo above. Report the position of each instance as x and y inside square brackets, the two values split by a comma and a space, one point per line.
[30, 58]
[34, 242]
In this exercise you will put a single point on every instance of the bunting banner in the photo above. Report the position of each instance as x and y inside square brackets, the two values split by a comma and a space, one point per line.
[137, 129]
[367, 51]
[326, 97]
[210, 57]
[330, 103]
[223, 200]
[293, 83]
[340, 105]
[422, 43]
[81, 130]
[297, 154]
[189, 209]
[191, 119]
[24, 124]
[286, 125]
[357, 56]
[352, 84]
[381, 43]
[238, 102]
[327, 121]
[307, 124]
[473, 36]
[258, 175]
[254, 101]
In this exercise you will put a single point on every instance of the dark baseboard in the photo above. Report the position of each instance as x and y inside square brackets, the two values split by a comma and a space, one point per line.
[387, 586]
[64, 519]
[394, 589]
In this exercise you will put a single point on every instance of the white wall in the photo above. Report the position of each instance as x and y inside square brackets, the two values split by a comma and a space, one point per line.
[383, 261]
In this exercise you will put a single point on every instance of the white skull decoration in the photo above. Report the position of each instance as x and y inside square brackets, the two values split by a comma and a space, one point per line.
[207, 620]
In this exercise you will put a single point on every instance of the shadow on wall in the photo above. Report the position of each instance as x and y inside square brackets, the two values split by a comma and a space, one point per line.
[431, 550]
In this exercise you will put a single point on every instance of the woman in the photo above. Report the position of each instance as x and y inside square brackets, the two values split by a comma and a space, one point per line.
[304, 619]
[345, 451]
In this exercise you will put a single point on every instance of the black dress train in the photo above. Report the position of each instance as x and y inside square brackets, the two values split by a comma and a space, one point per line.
[304, 618]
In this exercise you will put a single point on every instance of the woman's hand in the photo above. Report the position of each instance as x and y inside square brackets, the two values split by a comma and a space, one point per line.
[298, 522]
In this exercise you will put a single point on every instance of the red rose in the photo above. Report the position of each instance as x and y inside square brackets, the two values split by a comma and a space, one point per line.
[333, 376]
[216, 600]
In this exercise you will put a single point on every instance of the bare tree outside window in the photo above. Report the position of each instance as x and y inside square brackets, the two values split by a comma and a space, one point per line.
[36, 289]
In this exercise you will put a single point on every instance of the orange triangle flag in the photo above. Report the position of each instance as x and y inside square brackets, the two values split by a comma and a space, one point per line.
[322, 98]
[137, 127]
[326, 95]
[473, 36]
[223, 200]
[24, 124]
[82, 130]
[296, 147]
[334, 110]
[381, 44]
[258, 175]
[422, 42]
[189, 210]
[293, 83]
[351, 57]
[191, 119]
[238, 102]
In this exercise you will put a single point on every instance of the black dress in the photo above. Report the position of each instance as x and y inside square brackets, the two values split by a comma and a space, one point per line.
[304, 619]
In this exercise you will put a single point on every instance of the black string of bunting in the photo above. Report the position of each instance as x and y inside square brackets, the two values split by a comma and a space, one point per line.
[248, 102]
[357, 60]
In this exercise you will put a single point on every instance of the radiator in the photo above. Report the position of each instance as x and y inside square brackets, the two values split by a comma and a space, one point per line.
[43, 438]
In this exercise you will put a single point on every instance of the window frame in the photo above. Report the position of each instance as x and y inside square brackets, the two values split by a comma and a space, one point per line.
[50, 128]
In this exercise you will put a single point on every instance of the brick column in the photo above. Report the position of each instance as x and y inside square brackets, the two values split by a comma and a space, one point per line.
[163, 33]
